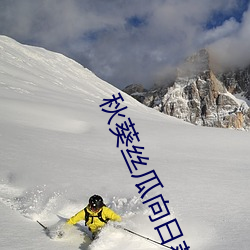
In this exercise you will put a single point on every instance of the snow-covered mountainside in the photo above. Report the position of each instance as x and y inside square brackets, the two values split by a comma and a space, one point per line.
[56, 151]
[202, 97]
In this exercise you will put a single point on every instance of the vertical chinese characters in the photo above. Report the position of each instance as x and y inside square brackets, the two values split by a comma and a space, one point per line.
[128, 137]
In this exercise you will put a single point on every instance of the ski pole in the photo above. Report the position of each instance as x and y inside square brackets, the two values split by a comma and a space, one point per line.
[45, 228]
[145, 237]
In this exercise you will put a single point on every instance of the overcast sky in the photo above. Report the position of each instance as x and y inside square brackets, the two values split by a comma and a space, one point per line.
[131, 41]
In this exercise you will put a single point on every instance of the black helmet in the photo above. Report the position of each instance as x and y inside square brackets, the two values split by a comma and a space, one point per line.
[95, 202]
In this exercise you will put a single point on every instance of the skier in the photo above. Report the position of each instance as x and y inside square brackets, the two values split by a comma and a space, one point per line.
[95, 214]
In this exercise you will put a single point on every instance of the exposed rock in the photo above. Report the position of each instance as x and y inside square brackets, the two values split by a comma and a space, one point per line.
[137, 91]
[199, 96]
[237, 81]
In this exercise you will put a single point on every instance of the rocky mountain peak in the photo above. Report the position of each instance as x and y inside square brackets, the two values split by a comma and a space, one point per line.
[196, 64]
[200, 96]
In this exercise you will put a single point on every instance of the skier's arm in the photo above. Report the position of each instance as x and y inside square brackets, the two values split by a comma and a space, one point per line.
[77, 217]
[110, 214]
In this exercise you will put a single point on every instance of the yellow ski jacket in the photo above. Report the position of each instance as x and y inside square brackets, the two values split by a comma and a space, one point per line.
[94, 223]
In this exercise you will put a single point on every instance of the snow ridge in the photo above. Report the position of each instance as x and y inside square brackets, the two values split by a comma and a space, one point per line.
[56, 151]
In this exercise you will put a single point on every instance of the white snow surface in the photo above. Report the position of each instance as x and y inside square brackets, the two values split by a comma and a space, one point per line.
[56, 151]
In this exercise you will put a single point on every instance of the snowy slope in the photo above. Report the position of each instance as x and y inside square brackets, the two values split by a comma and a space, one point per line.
[56, 151]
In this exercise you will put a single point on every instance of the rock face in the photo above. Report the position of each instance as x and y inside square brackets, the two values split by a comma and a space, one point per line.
[136, 90]
[199, 96]
[237, 81]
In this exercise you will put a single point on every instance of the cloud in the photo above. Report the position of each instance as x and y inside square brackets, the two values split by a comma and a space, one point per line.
[233, 49]
[228, 28]
[126, 42]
